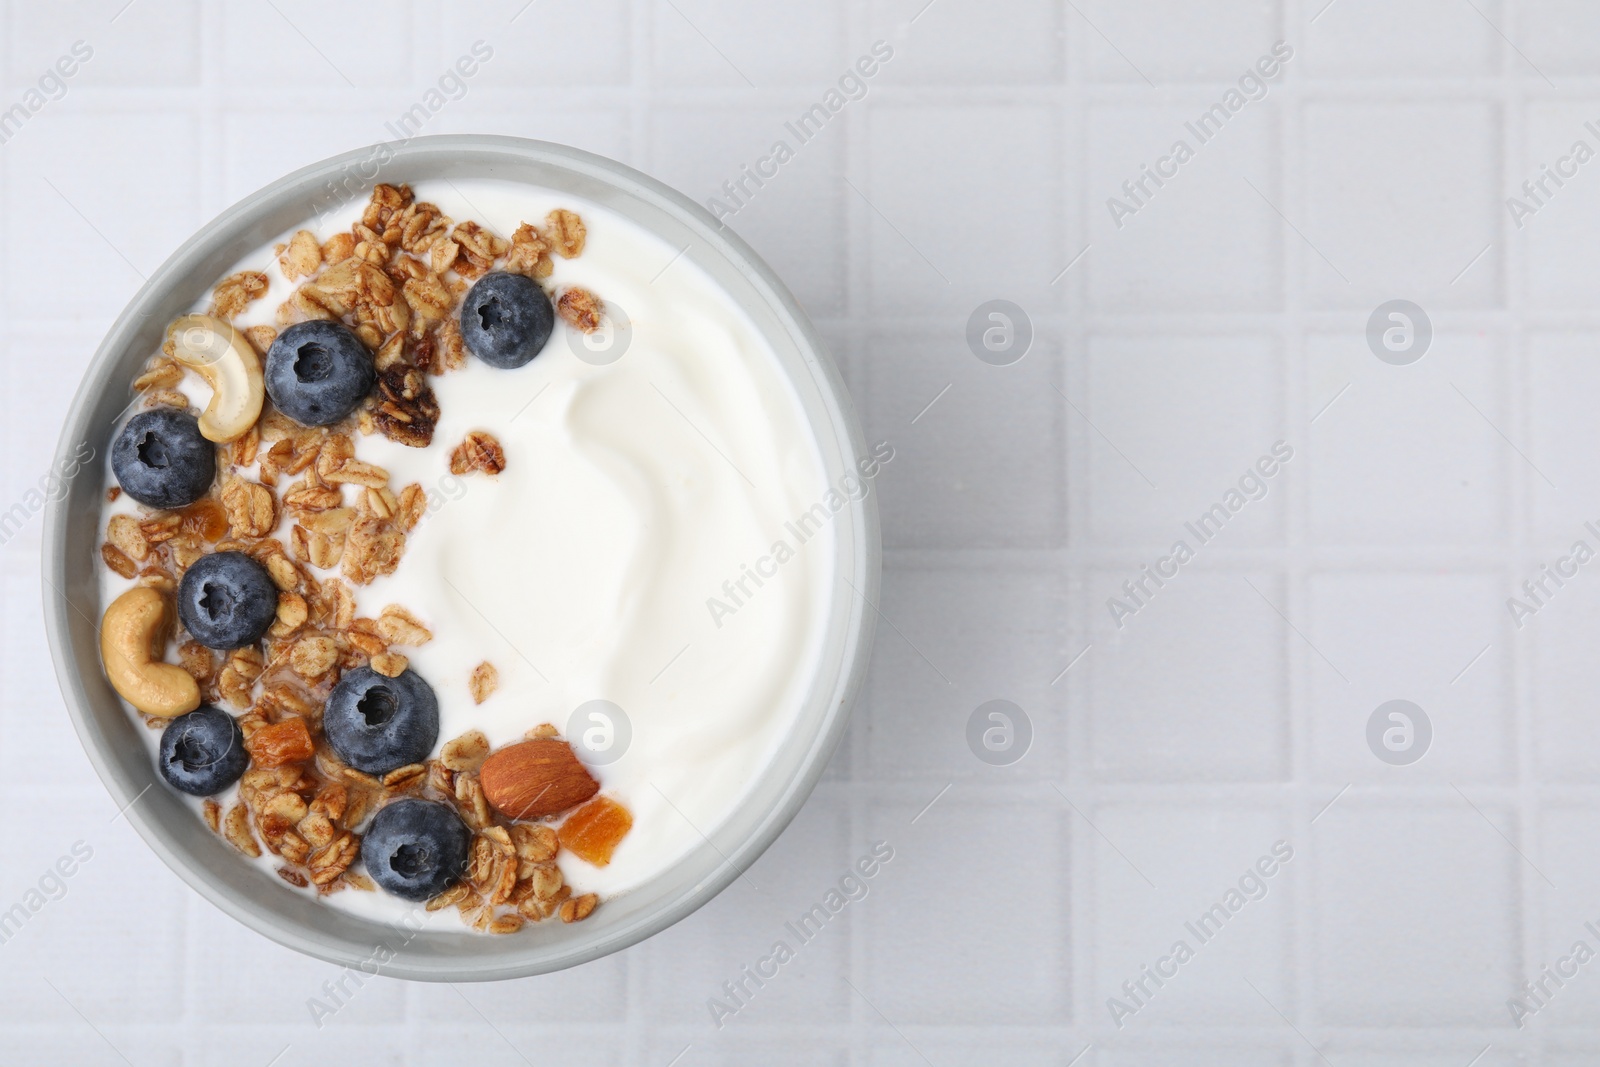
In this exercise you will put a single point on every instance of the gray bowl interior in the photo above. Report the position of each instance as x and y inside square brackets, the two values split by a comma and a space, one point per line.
[111, 736]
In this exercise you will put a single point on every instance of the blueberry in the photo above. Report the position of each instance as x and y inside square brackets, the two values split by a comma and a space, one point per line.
[202, 753]
[416, 849]
[506, 319]
[227, 600]
[318, 371]
[160, 459]
[376, 723]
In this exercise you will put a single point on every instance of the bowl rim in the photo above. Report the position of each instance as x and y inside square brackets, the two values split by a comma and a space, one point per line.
[844, 430]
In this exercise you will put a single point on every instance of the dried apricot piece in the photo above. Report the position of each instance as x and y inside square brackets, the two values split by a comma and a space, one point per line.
[283, 742]
[591, 833]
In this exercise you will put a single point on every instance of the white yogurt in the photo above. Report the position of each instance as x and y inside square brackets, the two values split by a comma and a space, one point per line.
[632, 493]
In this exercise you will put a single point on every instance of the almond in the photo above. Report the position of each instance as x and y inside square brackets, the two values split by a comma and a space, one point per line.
[531, 779]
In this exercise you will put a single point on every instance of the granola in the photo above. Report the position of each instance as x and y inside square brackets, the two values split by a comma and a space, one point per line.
[581, 309]
[319, 518]
[484, 681]
[478, 451]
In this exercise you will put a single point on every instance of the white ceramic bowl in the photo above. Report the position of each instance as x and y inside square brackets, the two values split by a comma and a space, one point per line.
[111, 736]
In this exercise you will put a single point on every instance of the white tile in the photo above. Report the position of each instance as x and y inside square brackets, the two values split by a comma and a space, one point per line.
[513, 1045]
[1198, 859]
[718, 42]
[1561, 434]
[70, 853]
[594, 992]
[1003, 42]
[77, 1043]
[978, 452]
[1393, 1050]
[1379, 212]
[931, 961]
[941, 236]
[558, 43]
[1202, 240]
[44, 371]
[1398, 635]
[305, 44]
[1415, 914]
[268, 980]
[951, 1050]
[1372, 39]
[117, 232]
[1570, 1052]
[1547, 219]
[1213, 39]
[33, 716]
[1193, 686]
[699, 151]
[256, 153]
[1559, 641]
[376, 1046]
[949, 642]
[685, 969]
[1569, 910]
[730, 1048]
[145, 45]
[1193, 415]
[1555, 35]
[1135, 1053]
[600, 130]
[1408, 455]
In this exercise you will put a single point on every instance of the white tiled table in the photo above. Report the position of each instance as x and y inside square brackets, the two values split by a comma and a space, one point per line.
[1168, 754]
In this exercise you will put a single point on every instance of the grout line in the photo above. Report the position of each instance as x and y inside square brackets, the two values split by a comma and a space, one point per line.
[1072, 289]
[1518, 491]
[1293, 339]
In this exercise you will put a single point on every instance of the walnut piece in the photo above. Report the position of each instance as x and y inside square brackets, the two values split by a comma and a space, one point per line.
[406, 410]
[581, 309]
[479, 248]
[330, 862]
[567, 233]
[530, 253]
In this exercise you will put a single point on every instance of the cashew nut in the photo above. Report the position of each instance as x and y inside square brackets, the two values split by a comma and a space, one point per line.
[131, 638]
[224, 358]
